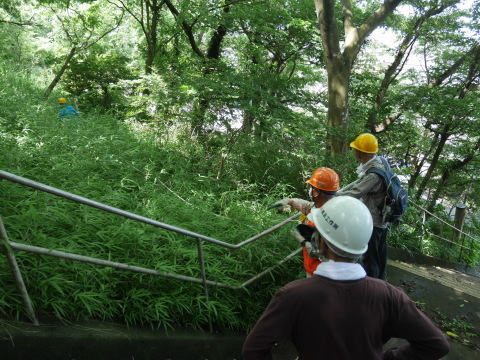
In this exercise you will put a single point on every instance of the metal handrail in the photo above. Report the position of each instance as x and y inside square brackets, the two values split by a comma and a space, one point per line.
[9, 246]
[443, 221]
[138, 269]
[82, 200]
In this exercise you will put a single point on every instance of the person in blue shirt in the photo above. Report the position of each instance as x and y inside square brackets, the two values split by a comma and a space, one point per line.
[67, 113]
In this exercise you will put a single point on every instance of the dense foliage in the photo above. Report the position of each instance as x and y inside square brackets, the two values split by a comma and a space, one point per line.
[200, 117]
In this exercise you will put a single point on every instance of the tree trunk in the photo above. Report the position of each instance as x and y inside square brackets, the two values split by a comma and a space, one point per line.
[338, 109]
[338, 76]
[247, 123]
[419, 165]
[151, 30]
[339, 63]
[443, 139]
[198, 116]
[457, 165]
[60, 73]
[151, 52]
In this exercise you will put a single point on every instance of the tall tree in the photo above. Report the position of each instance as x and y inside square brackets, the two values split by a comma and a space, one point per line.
[458, 121]
[147, 13]
[82, 28]
[193, 27]
[280, 50]
[339, 60]
[452, 167]
[414, 27]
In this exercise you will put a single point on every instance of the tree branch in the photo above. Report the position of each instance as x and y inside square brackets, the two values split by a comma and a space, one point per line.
[328, 28]
[376, 18]
[448, 72]
[186, 28]
[16, 23]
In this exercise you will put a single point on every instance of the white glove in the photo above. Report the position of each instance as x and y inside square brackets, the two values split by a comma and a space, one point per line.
[297, 236]
[280, 205]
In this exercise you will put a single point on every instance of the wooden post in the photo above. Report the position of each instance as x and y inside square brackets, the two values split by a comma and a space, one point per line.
[460, 212]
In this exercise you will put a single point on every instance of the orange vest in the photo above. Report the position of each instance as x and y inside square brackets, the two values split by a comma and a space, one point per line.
[310, 264]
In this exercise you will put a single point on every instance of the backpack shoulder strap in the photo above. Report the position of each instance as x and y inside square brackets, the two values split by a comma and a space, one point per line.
[378, 172]
[385, 162]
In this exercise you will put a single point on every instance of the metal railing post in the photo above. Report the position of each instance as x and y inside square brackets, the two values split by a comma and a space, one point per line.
[425, 211]
[204, 279]
[12, 262]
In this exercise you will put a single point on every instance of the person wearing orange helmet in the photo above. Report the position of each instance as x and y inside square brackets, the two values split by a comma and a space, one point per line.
[370, 188]
[323, 185]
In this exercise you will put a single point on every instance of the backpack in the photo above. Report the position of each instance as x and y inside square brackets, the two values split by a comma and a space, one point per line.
[396, 200]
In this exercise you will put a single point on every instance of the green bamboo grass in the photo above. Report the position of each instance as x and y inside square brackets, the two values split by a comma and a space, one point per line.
[104, 160]
[133, 168]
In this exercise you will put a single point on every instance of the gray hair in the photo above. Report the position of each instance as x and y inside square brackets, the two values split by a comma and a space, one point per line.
[342, 253]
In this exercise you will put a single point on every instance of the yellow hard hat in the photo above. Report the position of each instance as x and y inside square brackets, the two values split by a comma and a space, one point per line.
[62, 101]
[366, 143]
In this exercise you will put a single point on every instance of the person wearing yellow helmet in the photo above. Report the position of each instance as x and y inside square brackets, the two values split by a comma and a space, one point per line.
[323, 184]
[365, 143]
[371, 190]
[67, 113]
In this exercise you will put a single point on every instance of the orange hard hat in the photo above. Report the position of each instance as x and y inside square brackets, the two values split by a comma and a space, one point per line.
[325, 179]
[62, 101]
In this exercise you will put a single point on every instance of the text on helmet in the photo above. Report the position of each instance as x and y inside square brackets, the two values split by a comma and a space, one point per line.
[329, 221]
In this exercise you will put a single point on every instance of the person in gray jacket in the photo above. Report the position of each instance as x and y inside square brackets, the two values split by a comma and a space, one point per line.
[340, 313]
[371, 190]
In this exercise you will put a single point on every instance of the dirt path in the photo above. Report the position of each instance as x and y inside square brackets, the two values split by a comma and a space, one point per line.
[449, 297]
[453, 279]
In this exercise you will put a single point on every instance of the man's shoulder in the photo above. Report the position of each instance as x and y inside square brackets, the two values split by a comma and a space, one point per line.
[372, 170]
[382, 286]
[377, 163]
[296, 286]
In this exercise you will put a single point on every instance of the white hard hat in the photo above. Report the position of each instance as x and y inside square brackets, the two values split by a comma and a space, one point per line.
[345, 222]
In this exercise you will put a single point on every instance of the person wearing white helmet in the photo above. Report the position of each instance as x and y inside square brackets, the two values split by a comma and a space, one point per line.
[340, 313]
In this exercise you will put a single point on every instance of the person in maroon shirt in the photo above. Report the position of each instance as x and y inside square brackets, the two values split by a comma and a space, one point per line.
[340, 313]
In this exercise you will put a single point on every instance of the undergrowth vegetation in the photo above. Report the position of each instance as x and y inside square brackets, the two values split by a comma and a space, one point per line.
[108, 161]
[184, 182]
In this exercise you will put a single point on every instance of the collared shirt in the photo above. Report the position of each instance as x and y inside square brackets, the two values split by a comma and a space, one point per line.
[340, 270]
[370, 189]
